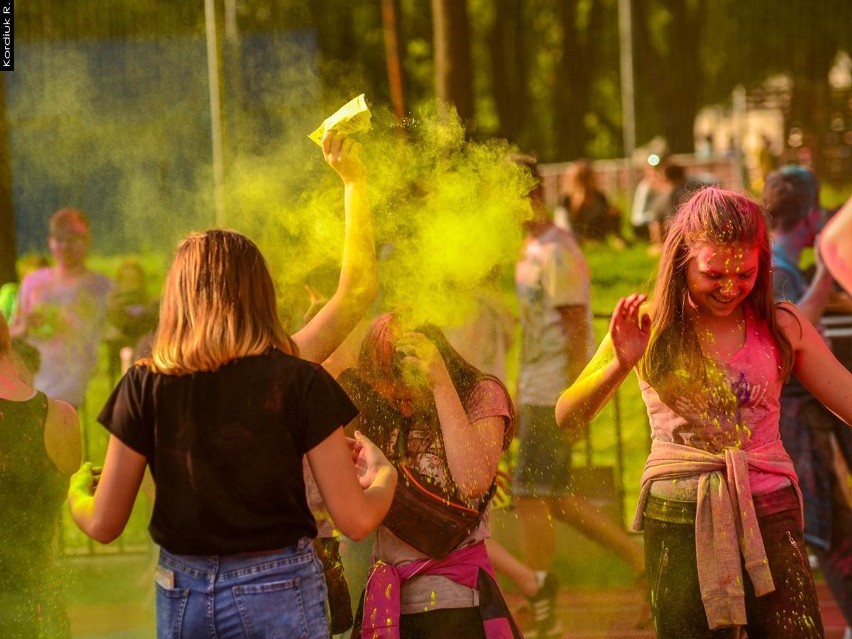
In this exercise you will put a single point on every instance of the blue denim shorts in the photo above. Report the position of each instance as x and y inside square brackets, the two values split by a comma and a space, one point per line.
[544, 455]
[279, 594]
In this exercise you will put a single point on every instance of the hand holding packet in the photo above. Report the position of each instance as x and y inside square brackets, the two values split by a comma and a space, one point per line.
[352, 117]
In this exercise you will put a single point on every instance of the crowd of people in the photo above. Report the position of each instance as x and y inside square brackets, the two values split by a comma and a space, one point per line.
[266, 449]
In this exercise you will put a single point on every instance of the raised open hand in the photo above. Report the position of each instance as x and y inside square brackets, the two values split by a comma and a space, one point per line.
[630, 329]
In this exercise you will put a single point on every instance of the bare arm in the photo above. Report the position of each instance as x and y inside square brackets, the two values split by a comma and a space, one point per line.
[812, 304]
[356, 511]
[473, 449]
[103, 514]
[575, 326]
[62, 438]
[357, 286]
[835, 245]
[815, 365]
[620, 350]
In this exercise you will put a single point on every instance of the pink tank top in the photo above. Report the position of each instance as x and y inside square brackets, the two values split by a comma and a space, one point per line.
[739, 407]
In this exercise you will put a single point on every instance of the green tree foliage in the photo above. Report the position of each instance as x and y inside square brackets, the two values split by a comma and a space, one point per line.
[540, 73]
[669, 69]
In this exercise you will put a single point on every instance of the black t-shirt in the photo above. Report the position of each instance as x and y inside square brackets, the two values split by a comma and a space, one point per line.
[225, 449]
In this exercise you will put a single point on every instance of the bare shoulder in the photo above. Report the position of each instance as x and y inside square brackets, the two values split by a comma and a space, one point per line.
[791, 321]
[62, 436]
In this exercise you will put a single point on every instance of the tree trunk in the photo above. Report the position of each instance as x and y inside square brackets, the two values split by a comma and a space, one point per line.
[673, 70]
[575, 70]
[509, 69]
[453, 73]
[390, 23]
[8, 250]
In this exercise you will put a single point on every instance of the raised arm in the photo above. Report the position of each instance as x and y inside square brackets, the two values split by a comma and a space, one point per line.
[357, 287]
[620, 350]
[815, 365]
[813, 301]
[835, 246]
[473, 448]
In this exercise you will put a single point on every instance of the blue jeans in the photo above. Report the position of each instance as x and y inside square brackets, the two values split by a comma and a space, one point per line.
[279, 594]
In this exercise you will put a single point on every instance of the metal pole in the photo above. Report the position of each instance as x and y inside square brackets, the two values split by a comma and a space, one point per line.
[628, 105]
[215, 112]
[738, 101]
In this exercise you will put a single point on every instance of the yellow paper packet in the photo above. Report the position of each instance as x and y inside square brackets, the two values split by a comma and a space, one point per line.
[352, 117]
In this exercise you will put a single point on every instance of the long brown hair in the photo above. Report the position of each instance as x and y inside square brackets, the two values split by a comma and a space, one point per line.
[218, 304]
[581, 187]
[378, 363]
[711, 216]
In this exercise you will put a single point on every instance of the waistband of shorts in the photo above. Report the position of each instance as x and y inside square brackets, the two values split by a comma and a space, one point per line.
[202, 564]
[679, 511]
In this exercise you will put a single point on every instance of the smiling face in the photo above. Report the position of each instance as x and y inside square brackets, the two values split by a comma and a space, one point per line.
[720, 277]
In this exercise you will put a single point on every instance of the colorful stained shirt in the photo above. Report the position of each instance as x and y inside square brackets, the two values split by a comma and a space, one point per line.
[74, 312]
[740, 409]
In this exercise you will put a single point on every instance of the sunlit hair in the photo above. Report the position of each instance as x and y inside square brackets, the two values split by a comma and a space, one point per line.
[5, 340]
[218, 304]
[379, 362]
[711, 216]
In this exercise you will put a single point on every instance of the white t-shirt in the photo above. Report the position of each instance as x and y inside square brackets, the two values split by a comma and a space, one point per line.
[551, 273]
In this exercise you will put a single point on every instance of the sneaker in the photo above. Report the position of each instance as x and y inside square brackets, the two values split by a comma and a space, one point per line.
[542, 606]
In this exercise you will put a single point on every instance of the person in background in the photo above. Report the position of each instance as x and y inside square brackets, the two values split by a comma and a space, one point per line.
[642, 211]
[223, 412]
[810, 432]
[131, 313]
[554, 302]
[719, 491]
[9, 291]
[767, 159]
[674, 191]
[40, 448]
[589, 213]
[62, 309]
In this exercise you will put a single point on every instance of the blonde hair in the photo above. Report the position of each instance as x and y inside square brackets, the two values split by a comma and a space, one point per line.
[218, 304]
[710, 216]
